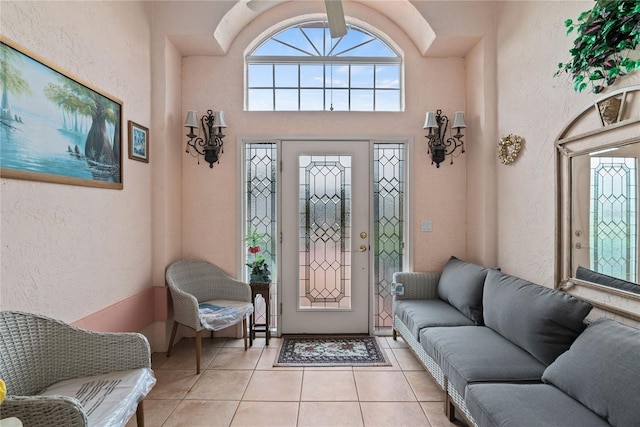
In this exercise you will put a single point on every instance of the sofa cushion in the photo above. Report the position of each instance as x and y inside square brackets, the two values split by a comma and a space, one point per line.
[470, 354]
[461, 286]
[603, 279]
[108, 399]
[541, 320]
[532, 405]
[418, 314]
[601, 371]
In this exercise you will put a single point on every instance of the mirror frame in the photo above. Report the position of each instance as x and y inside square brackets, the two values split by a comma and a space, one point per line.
[591, 131]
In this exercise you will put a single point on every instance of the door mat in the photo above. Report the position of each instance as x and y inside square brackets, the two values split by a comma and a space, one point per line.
[331, 351]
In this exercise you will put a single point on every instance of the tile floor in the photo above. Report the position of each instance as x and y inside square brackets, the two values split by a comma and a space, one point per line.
[238, 388]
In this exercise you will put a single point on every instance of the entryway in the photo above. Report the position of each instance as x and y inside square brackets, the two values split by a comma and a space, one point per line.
[331, 214]
[325, 237]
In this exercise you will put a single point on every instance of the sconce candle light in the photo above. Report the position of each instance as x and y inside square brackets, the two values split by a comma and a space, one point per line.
[439, 145]
[210, 144]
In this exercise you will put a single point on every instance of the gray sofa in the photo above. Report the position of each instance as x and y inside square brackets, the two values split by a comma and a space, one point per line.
[494, 342]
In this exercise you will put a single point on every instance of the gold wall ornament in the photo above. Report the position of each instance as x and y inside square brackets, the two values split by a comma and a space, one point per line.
[609, 110]
[509, 147]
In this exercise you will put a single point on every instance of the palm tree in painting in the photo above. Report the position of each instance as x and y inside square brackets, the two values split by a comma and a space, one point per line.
[78, 100]
[11, 81]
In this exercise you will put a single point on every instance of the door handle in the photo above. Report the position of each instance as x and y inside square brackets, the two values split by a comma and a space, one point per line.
[362, 248]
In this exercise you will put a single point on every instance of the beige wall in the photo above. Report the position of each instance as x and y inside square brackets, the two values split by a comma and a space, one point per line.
[531, 41]
[210, 215]
[482, 194]
[70, 251]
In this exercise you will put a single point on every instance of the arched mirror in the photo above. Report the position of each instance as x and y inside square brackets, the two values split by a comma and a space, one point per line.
[598, 197]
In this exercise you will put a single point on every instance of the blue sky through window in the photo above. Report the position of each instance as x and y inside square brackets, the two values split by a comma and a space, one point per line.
[302, 69]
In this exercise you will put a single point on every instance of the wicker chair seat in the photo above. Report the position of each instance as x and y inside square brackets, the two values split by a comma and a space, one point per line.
[108, 399]
[37, 352]
[219, 314]
[194, 284]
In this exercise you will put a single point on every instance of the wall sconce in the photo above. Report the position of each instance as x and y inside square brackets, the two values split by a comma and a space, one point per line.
[439, 147]
[210, 145]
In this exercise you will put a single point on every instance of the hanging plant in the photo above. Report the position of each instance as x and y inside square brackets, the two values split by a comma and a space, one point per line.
[605, 47]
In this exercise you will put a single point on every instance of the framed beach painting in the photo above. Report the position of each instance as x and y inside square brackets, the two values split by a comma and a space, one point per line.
[55, 127]
[138, 142]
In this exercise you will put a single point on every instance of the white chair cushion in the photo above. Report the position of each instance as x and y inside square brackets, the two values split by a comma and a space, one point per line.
[108, 399]
[219, 314]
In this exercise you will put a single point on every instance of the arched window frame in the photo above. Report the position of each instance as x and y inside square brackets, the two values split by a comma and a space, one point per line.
[336, 58]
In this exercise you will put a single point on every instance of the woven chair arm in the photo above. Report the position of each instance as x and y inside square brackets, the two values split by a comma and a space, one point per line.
[111, 351]
[37, 351]
[417, 285]
[92, 353]
[185, 308]
[44, 411]
[234, 290]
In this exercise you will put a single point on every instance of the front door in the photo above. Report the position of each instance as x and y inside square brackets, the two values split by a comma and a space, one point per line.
[325, 237]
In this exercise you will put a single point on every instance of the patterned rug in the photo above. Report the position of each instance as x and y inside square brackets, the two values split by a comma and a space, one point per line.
[331, 351]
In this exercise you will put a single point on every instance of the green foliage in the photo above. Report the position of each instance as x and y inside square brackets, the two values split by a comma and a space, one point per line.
[254, 239]
[605, 47]
[72, 97]
[11, 79]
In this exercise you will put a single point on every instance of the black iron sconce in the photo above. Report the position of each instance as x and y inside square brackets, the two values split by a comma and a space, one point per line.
[210, 144]
[439, 145]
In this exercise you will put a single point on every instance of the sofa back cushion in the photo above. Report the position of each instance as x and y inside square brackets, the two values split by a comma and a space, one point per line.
[541, 320]
[461, 286]
[602, 372]
[603, 279]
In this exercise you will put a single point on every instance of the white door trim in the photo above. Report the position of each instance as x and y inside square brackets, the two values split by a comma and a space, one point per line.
[407, 140]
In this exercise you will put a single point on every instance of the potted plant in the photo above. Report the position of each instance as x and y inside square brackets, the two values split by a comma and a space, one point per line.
[608, 34]
[259, 267]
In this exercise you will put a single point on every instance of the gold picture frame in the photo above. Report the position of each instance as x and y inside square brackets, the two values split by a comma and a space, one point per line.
[54, 127]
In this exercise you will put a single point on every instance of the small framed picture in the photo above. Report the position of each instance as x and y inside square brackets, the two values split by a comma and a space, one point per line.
[138, 142]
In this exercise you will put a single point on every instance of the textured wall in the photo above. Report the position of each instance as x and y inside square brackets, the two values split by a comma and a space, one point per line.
[70, 251]
[210, 197]
[533, 104]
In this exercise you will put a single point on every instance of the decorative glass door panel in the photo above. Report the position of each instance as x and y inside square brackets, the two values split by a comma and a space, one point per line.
[325, 232]
[325, 217]
[614, 217]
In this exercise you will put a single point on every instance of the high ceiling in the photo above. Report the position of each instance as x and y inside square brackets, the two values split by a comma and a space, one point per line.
[437, 28]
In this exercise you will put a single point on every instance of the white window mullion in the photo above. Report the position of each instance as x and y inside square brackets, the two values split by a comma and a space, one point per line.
[282, 49]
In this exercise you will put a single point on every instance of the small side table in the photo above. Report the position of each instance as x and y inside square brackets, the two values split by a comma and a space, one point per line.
[263, 290]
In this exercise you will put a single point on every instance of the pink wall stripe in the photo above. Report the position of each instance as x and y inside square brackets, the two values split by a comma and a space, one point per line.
[132, 314]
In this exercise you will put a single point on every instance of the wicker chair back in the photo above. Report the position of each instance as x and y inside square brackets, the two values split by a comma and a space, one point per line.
[205, 281]
[34, 352]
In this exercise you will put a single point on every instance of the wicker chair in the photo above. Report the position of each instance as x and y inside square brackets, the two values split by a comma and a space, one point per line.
[195, 282]
[38, 353]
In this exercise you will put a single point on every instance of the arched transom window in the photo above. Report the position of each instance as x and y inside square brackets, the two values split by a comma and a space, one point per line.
[301, 68]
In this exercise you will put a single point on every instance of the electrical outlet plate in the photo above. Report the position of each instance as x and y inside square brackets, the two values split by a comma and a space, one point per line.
[426, 226]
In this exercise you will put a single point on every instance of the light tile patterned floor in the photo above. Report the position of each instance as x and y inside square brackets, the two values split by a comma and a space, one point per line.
[238, 388]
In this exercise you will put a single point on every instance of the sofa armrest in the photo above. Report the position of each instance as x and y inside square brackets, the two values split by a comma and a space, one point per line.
[417, 285]
[44, 411]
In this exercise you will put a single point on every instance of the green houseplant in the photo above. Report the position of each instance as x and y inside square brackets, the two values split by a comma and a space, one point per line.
[259, 267]
[605, 47]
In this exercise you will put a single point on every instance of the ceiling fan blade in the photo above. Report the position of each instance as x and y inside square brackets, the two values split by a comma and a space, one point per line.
[335, 16]
[260, 6]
